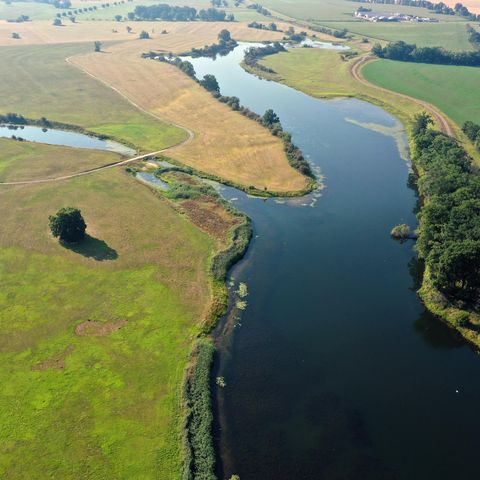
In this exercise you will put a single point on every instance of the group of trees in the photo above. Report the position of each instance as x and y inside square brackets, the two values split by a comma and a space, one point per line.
[175, 13]
[261, 26]
[226, 44]
[328, 31]
[406, 52]
[473, 36]
[472, 131]
[254, 54]
[260, 9]
[449, 232]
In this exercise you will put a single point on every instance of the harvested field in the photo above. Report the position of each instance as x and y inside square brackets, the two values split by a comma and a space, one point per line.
[181, 35]
[225, 144]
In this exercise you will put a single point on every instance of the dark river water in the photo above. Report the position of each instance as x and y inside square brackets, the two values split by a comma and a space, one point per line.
[335, 371]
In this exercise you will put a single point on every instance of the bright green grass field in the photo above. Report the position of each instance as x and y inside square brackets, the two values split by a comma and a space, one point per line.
[36, 81]
[454, 90]
[451, 36]
[36, 11]
[96, 407]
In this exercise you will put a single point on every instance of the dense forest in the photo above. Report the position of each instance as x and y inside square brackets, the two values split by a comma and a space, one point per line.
[171, 13]
[449, 232]
[406, 52]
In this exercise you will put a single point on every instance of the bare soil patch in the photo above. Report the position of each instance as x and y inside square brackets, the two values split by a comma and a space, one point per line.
[98, 329]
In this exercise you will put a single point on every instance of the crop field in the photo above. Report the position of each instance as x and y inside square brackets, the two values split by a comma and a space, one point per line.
[238, 149]
[95, 338]
[452, 35]
[46, 86]
[339, 10]
[454, 90]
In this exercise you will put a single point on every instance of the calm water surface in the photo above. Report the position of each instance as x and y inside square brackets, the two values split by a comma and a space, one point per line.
[335, 370]
[63, 137]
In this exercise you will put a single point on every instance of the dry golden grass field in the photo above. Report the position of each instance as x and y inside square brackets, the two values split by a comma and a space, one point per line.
[180, 34]
[225, 144]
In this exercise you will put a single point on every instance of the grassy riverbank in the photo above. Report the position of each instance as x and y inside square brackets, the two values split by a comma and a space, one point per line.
[324, 74]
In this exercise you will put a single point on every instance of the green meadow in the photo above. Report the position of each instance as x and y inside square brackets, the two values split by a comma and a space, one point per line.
[454, 90]
[47, 86]
[95, 337]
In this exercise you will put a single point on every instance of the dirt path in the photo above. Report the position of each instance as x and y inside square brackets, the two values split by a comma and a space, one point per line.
[355, 70]
[190, 133]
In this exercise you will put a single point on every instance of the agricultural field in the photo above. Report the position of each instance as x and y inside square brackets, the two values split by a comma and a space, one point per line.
[339, 10]
[95, 337]
[454, 90]
[451, 36]
[46, 86]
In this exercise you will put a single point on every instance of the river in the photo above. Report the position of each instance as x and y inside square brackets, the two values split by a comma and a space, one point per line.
[334, 370]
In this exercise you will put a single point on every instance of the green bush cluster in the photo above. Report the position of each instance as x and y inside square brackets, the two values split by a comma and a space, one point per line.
[199, 455]
[472, 131]
[449, 232]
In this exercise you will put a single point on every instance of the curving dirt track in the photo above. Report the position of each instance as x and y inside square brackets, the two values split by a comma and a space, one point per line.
[355, 70]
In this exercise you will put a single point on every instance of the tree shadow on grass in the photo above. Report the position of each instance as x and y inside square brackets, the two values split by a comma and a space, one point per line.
[92, 248]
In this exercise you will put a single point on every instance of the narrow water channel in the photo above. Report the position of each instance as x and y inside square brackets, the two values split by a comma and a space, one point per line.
[335, 371]
[53, 136]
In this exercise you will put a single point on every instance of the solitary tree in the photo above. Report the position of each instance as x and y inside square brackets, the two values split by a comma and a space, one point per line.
[270, 117]
[129, 29]
[15, 35]
[224, 36]
[118, 18]
[98, 46]
[68, 225]
[144, 34]
[57, 22]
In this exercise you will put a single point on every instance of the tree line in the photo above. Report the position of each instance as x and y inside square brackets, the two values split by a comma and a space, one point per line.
[328, 31]
[406, 52]
[175, 13]
[260, 9]
[269, 120]
[261, 26]
[449, 232]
